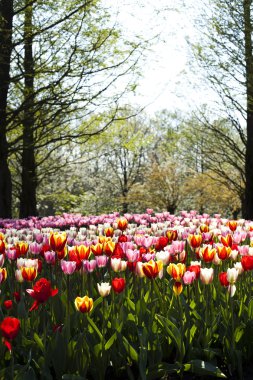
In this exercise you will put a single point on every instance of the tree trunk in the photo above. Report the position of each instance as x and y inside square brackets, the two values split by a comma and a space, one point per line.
[6, 21]
[248, 199]
[28, 202]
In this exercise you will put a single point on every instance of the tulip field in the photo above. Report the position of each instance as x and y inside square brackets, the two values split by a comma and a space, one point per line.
[135, 296]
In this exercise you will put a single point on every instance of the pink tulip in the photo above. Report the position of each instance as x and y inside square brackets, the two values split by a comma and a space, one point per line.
[89, 265]
[1, 260]
[68, 267]
[101, 261]
[49, 257]
[189, 277]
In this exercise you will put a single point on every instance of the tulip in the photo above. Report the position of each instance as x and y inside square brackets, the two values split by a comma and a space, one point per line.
[28, 273]
[232, 275]
[195, 269]
[2, 246]
[227, 240]
[238, 267]
[68, 267]
[223, 251]
[9, 328]
[97, 249]
[22, 248]
[139, 269]
[11, 253]
[104, 289]
[171, 235]
[207, 253]
[231, 290]
[101, 261]
[177, 288]
[206, 275]
[189, 277]
[3, 272]
[232, 224]
[57, 241]
[152, 268]
[82, 251]
[109, 247]
[8, 304]
[89, 266]
[223, 279]
[122, 223]
[41, 292]
[247, 262]
[118, 284]
[116, 264]
[49, 257]
[195, 240]
[108, 231]
[176, 271]
[84, 304]
[18, 276]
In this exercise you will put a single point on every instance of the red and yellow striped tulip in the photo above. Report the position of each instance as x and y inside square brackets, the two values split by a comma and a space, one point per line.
[177, 288]
[57, 241]
[22, 248]
[84, 304]
[223, 252]
[207, 253]
[29, 273]
[152, 268]
[97, 249]
[176, 271]
[195, 240]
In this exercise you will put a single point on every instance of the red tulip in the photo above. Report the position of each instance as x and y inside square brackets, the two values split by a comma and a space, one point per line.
[9, 327]
[118, 284]
[17, 296]
[194, 268]
[223, 279]
[41, 292]
[122, 239]
[247, 262]
[161, 243]
[8, 304]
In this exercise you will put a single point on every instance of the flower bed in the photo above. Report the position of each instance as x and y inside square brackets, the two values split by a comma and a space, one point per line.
[138, 297]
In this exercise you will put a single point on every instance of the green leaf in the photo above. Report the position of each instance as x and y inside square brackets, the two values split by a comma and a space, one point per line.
[130, 350]
[173, 332]
[94, 327]
[38, 341]
[110, 341]
[201, 367]
[238, 333]
[131, 304]
[161, 369]
[28, 375]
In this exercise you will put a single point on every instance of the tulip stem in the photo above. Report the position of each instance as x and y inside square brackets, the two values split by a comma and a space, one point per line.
[181, 336]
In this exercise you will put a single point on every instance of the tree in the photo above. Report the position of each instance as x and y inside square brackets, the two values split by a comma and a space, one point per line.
[226, 54]
[63, 68]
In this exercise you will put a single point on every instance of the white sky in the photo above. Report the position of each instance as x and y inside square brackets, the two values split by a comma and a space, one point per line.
[167, 81]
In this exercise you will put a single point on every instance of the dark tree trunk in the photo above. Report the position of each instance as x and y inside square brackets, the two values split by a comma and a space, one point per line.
[6, 19]
[28, 202]
[248, 199]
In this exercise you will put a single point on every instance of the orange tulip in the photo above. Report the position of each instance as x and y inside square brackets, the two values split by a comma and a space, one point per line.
[195, 240]
[152, 268]
[232, 224]
[122, 223]
[176, 271]
[84, 304]
[204, 228]
[109, 247]
[2, 237]
[97, 249]
[207, 253]
[2, 246]
[223, 252]
[109, 231]
[57, 241]
[82, 251]
[171, 235]
[22, 248]
[29, 274]
[227, 240]
[3, 271]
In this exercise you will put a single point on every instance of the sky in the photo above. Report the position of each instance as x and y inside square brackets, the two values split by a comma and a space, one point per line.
[167, 78]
